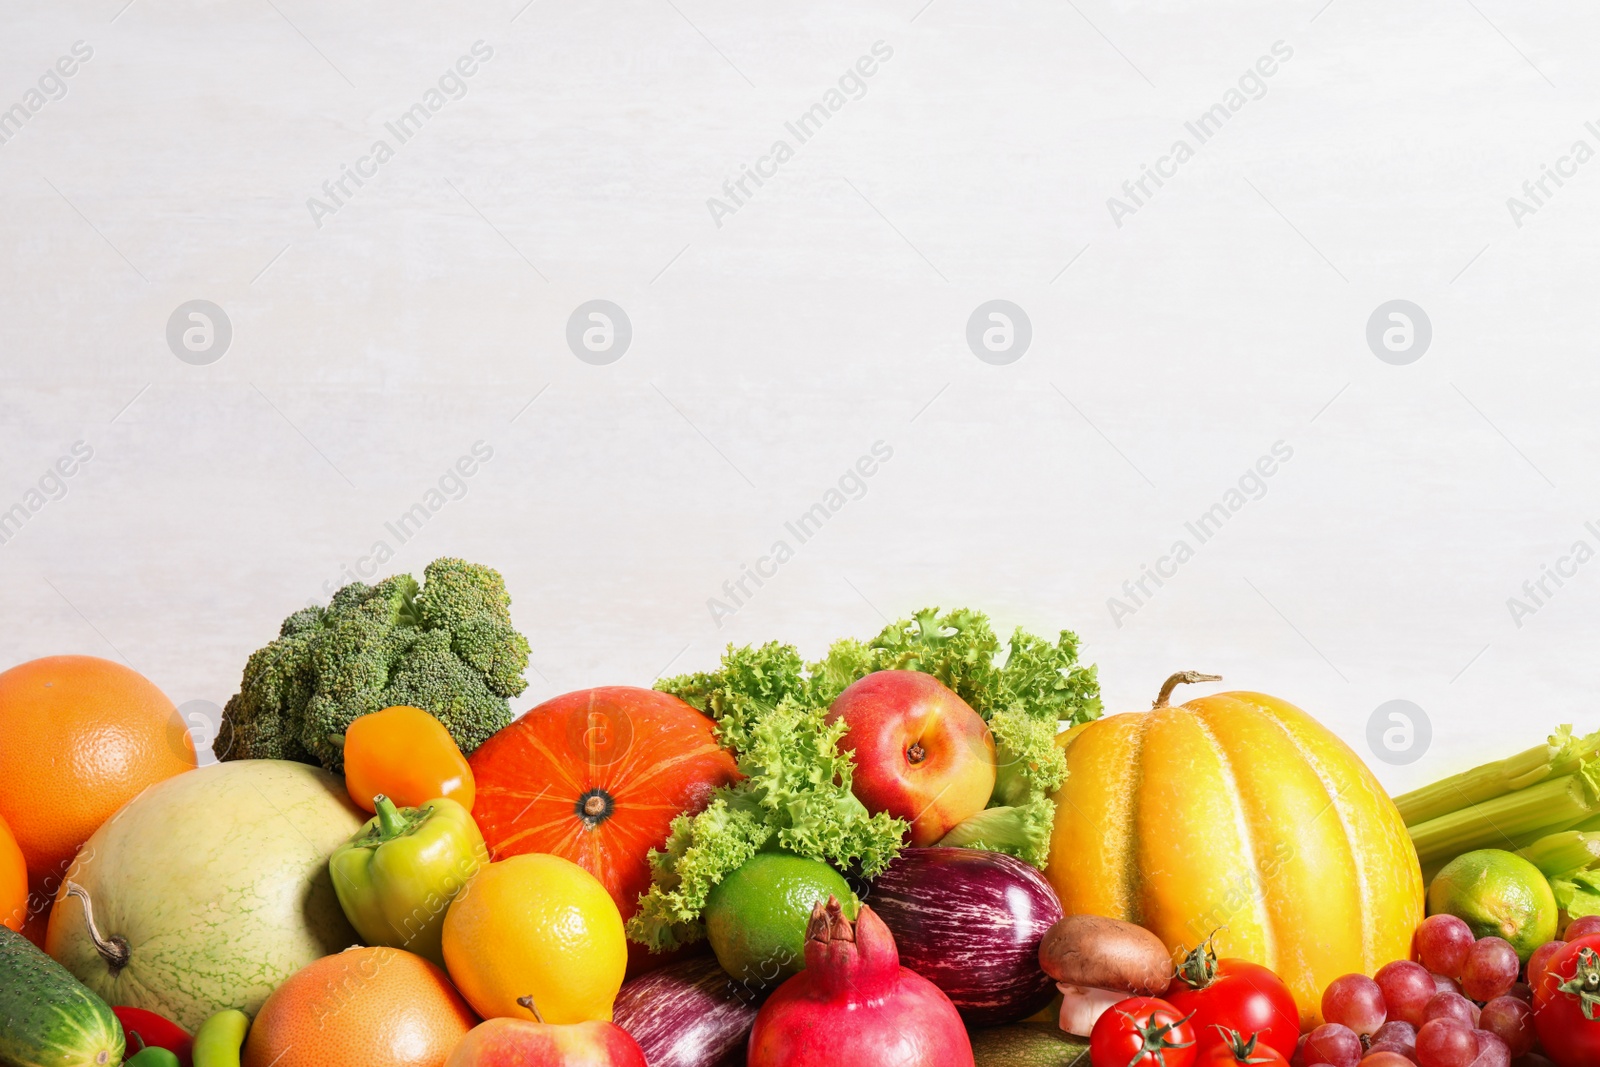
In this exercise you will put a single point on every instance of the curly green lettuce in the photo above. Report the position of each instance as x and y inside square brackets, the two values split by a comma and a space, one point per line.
[770, 709]
[795, 794]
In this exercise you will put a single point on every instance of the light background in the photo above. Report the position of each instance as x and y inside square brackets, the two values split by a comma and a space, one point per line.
[827, 313]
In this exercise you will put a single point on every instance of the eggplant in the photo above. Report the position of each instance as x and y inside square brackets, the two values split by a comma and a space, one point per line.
[970, 922]
[689, 1014]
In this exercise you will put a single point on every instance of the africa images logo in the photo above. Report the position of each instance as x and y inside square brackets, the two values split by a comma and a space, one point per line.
[451, 85]
[852, 85]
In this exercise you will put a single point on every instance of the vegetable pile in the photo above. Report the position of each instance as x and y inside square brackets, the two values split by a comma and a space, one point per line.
[771, 710]
[924, 849]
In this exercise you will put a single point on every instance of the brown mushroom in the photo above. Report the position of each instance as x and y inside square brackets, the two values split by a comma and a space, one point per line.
[1098, 962]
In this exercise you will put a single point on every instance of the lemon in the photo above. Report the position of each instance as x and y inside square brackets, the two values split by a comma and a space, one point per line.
[756, 917]
[1498, 894]
[540, 927]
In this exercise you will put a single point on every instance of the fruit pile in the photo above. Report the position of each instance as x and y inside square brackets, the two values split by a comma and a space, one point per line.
[926, 849]
[1427, 1010]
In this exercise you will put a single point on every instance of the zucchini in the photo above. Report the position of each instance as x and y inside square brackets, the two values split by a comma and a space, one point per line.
[1028, 1045]
[47, 1017]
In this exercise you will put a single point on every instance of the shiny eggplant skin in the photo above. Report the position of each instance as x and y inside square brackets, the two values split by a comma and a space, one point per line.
[689, 1014]
[970, 922]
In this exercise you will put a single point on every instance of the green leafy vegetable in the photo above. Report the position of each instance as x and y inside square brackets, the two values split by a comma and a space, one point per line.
[770, 709]
[1579, 895]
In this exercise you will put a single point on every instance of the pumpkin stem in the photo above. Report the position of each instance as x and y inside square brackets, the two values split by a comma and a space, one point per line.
[113, 950]
[1181, 678]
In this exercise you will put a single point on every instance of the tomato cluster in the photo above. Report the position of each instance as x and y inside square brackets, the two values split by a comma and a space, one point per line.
[1217, 1013]
[1461, 1001]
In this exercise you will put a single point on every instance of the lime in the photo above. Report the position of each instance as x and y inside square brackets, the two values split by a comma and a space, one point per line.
[1499, 895]
[756, 917]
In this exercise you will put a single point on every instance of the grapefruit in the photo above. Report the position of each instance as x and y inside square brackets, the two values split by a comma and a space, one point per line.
[82, 737]
[365, 1007]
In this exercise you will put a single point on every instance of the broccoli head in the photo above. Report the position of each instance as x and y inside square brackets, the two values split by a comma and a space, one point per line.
[446, 646]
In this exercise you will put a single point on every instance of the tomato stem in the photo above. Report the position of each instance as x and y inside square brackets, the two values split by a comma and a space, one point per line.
[1585, 983]
[1155, 1038]
[1199, 968]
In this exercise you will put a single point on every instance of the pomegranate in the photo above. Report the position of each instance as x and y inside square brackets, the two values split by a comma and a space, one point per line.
[855, 1004]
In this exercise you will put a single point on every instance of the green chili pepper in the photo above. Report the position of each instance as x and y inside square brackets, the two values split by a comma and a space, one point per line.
[396, 878]
[153, 1056]
[220, 1039]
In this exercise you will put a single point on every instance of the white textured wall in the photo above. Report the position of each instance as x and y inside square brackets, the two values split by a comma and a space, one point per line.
[826, 312]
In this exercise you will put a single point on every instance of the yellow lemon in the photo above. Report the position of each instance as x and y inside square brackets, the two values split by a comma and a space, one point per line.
[536, 936]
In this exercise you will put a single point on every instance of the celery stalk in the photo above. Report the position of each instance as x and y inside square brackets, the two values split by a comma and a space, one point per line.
[1560, 755]
[1522, 841]
[1563, 854]
[1499, 822]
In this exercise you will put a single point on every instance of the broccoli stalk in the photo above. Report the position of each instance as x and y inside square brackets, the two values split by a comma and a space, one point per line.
[446, 646]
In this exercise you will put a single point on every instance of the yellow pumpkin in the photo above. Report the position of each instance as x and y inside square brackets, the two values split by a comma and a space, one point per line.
[1237, 813]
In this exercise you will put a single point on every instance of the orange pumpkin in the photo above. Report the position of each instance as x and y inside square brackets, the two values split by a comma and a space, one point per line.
[597, 776]
[1237, 813]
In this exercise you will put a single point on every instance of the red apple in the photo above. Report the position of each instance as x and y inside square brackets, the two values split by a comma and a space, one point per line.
[523, 1043]
[921, 752]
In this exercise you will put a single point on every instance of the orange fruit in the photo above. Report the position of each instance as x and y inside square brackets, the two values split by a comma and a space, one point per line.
[364, 1007]
[79, 738]
[13, 881]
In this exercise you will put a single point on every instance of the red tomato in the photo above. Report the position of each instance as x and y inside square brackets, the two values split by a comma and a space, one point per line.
[1566, 1004]
[145, 1028]
[1236, 1050]
[1235, 995]
[1142, 1032]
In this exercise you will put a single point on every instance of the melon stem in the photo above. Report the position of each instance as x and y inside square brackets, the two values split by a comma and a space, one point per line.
[1181, 678]
[114, 950]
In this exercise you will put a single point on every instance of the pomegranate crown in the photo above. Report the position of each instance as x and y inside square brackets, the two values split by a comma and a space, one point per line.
[842, 954]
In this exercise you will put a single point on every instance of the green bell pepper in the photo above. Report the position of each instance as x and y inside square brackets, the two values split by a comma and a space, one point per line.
[396, 878]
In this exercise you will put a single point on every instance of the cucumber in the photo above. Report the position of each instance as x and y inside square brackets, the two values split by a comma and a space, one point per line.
[1028, 1045]
[47, 1017]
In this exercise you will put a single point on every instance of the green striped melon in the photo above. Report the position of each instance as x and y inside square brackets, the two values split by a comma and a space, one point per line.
[216, 883]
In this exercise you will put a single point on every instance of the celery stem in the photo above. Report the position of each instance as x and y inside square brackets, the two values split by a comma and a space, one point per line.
[1481, 784]
[1500, 822]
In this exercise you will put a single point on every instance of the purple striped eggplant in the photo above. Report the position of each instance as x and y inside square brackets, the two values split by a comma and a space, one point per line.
[689, 1014]
[970, 922]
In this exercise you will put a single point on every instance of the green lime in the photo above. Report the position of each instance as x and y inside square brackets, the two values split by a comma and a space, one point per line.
[1499, 895]
[756, 917]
